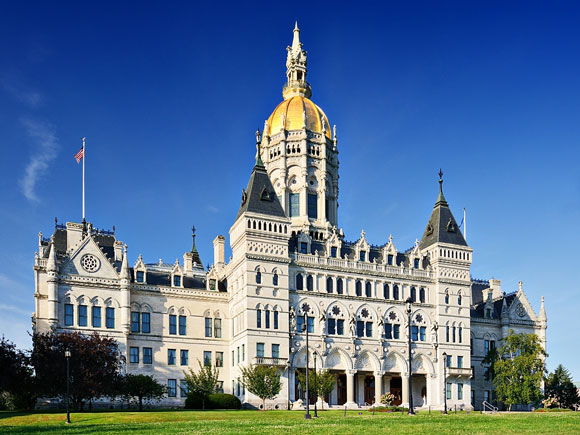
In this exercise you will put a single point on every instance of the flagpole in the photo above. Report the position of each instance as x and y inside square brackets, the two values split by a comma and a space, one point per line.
[84, 158]
[464, 225]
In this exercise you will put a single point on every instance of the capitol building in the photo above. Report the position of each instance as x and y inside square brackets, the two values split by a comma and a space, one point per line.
[292, 270]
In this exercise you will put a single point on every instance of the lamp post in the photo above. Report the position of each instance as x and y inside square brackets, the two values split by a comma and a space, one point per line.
[315, 389]
[67, 357]
[409, 302]
[307, 416]
[445, 382]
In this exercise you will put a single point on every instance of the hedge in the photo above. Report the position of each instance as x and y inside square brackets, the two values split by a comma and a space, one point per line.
[214, 401]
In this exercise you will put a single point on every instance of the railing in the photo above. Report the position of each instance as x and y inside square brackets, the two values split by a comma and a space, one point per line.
[359, 265]
[263, 361]
[488, 407]
[41, 262]
[459, 371]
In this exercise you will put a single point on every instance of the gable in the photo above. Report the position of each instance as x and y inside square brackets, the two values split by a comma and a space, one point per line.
[88, 260]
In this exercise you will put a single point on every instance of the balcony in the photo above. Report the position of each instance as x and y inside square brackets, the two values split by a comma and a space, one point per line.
[459, 372]
[263, 361]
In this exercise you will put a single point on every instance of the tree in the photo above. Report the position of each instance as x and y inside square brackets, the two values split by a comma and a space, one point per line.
[16, 376]
[95, 365]
[519, 369]
[319, 385]
[559, 386]
[203, 383]
[142, 387]
[263, 381]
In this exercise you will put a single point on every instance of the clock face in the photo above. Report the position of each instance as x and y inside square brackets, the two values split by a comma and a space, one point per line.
[90, 263]
[520, 310]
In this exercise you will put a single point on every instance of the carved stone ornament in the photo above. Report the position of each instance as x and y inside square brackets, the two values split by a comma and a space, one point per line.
[90, 263]
[521, 311]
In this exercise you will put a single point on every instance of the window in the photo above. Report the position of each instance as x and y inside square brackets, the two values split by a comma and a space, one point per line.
[96, 315]
[448, 361]
[172, 324]
[388, 331]
[416, 263]
[459, 334]
[491, 344]
[258, 318]
[110, 317]
[145, 322]
[275, 319]
[147, 355]
[260, 350]
[294, 199]
[448, 390]
[299, 282]
[362, 255]
[135, 321]
[329, 285]
[339, 288]
[177, 280]
[238, 387]
[182, 325]
[184, 357]
[267, 318]
[413, 294]
[390, 259]
[447, 298]
[460, 362]
[183, 388]
[299, 324]
[208, 332]
[310, 325]
[134, 355]
[238, 354]
[309, 282]
[258, 277]
[459, 391]
[171, 387]
[422, 295]
[275, 351]
[386, 291]
[368, 289]
[447, 334]
[369, 329]
[333, 251]
[360, 328]
[303, 248]
[219, 359]
[396, 331]
[488, 313]
[486, 396]
[140, 276]
[68, 314]
[331, 326]
[275, 279]
[459, 300]
[83, 318]
[472, 372]
[358, 288]
[422, 333]
[171, 357]
[206, 358]
[396, 292]
[312, 206]
[453, 336]
[243, 352]
[414, 333]
[217, 328]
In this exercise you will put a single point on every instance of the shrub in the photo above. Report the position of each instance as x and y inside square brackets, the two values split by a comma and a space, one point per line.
[214, 401]
[387, 398]
[193, 401]
[389, 409]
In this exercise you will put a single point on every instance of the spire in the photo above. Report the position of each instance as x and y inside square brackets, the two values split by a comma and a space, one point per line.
[51, 264]
[195, 254]
[543, 311]
[296, 61]
[259, 161]
[296, 45]
[504, 308]
[125, 271]
[442, 226]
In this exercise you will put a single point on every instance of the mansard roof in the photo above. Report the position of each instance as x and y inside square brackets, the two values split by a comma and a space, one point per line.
[478, 310]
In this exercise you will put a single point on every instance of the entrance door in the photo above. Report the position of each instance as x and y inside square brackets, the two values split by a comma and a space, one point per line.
[341, 390]
[397, 391]
[369, 390]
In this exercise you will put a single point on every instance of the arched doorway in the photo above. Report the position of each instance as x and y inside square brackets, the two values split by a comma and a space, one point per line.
[369, 390]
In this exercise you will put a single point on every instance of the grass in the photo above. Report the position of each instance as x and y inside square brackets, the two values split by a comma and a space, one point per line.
[279, 422]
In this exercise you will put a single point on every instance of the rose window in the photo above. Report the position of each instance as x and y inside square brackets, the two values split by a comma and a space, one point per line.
[419, 318]
[90, 263]
[364, 313]
[305, 308]
[335, 310]
[392, 315]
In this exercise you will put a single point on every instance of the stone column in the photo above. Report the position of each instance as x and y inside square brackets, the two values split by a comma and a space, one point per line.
[378, 387]
[291, 382]
[405, 390]
[350, 393]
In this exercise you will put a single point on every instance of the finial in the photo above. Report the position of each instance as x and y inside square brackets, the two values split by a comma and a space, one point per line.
[55, 221]
[258, 137]
[193, 230]
[296, 25]
[441, 198]
[259, 161]
[125, 249]
[520, 285]
[390, 238]
[440, 175]
[114, 229]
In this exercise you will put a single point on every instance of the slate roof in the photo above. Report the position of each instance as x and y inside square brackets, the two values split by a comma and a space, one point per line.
[479, 309]
[259, 196]
[442, 226]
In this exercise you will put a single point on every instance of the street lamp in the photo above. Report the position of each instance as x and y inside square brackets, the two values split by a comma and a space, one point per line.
[307, 416]
[445, 381]
[67, 356]
[315, 389]
[409, 302]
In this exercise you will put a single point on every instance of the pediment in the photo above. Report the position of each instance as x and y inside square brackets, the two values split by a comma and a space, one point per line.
[89, 261]
[521, 309]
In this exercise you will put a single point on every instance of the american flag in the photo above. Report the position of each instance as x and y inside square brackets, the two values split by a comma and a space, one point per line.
[79, 156]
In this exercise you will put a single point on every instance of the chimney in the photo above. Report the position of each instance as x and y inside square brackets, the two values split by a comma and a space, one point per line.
[219, 250]
[118, 251]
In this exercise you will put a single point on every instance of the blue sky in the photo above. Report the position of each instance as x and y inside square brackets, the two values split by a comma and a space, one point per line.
[169, 95]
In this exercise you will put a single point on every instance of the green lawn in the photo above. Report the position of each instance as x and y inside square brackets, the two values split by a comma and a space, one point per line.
[282, 422]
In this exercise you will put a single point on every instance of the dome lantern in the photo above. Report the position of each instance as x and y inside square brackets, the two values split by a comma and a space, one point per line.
[296, 85]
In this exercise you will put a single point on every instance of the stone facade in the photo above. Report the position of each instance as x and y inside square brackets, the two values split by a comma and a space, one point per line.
[291, 266]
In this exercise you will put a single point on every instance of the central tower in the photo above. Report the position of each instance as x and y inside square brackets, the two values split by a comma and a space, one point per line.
[300, 154]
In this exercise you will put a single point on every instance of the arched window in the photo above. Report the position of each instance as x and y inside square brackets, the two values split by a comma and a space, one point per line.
[299, 282]
[329, 285]
[309, 282]
[416, 263]
[459, 299]
[339, 288]
[447, 298]
[358, 288]
[275, 278]
[386, 291]
[396, 292]
[422, 295]
[258, 277]
[460, 334]
[368, 289]
[413, 294]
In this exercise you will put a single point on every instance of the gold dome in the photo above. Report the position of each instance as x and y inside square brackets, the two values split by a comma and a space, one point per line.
[294, 110]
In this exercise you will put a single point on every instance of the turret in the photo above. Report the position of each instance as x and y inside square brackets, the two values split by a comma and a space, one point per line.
[125, 281]
[52, 281]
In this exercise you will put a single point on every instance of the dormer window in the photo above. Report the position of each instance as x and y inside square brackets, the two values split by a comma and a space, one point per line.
[416, 263]
[390, 259]
[303, 247]
[333, 251]
[488, 313]
[362, 256]
[212, 284]
[177, 280]
[140, 276]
